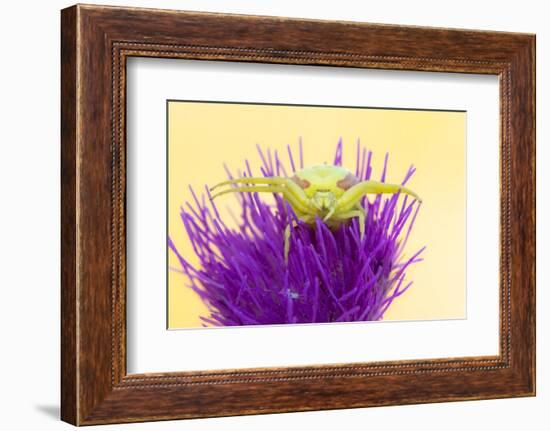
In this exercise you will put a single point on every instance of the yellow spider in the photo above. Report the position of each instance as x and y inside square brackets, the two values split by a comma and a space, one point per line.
[331, 193]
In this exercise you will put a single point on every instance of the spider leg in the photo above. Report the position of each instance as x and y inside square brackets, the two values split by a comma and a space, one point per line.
[251, 180]
[277, 181]
[300, 199]
[359, 212]
[287, 242]
[292, 193]
[351, 196]
[302, 217]
[329, 214]
[295, 203]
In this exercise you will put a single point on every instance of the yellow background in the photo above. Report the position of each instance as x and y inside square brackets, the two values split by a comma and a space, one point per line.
[203, 136]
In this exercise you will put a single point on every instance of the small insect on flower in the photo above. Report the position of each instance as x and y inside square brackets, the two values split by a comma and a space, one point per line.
[331, 193]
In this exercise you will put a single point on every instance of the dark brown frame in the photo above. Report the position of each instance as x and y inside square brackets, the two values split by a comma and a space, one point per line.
[96, 41]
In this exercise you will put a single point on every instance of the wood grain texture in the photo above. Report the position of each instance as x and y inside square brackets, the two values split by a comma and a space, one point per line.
[69, 367]
[96, 41]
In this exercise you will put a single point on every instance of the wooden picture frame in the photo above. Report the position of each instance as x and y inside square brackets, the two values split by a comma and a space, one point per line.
[96, 41]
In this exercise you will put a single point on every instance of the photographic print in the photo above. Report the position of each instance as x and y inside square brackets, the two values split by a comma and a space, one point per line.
[306, 214]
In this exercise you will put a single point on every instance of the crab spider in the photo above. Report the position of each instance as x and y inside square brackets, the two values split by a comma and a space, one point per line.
[331, 193]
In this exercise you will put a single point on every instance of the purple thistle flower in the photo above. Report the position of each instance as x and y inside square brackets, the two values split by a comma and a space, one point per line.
[331, 276]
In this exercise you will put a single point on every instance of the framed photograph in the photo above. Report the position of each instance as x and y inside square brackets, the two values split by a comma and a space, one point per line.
[264, 214]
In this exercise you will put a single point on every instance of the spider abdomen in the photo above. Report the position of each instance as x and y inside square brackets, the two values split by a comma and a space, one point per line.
[324, 179]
